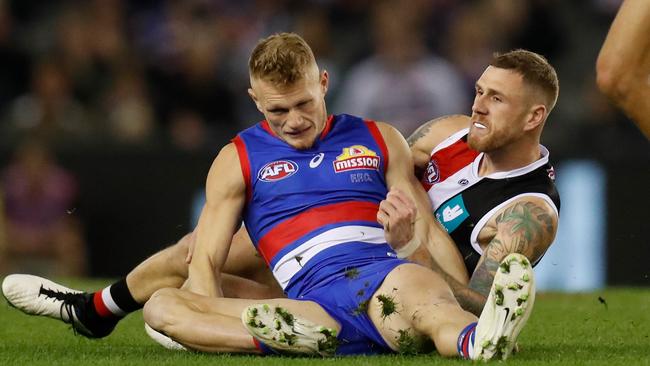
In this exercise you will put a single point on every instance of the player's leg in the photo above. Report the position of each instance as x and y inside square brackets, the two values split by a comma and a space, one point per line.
[215, 324]
[96, 314]
[415, 299]
[247, 275]
[413, 302]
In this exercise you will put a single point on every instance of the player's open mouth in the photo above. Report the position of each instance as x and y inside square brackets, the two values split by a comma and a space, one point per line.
[479, 125]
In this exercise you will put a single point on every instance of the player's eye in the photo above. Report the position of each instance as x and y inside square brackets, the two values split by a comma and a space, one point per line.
[278, 111]
[305, 104]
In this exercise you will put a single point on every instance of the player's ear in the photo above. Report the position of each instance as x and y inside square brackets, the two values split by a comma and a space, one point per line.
[324, 81]
[537, 117]
[251, 93]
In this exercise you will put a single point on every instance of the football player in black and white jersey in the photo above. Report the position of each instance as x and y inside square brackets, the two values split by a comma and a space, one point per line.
[488, 178]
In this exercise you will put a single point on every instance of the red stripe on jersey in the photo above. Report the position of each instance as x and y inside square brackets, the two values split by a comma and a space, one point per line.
[328, 127]
[376, 134]
[244, 163]
[100, 307]
[265, 126]
[302, 224]
[450, 160]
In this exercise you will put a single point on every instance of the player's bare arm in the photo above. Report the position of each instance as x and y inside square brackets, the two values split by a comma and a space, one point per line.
[426, 239]
[623, 66]
[526, 226]
[432, 133]
[220, 218]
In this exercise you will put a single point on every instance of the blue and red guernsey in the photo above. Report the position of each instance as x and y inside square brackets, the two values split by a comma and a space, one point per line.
[303, 202]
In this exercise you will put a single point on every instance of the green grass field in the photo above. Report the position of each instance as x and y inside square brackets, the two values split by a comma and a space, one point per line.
[577, 329]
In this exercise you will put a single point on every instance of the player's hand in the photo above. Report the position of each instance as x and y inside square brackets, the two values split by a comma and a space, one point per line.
[397, 214]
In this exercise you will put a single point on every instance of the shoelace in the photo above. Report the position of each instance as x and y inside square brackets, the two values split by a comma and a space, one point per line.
[68, 299]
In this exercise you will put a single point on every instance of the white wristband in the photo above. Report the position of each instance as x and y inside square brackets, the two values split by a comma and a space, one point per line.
[409, 248]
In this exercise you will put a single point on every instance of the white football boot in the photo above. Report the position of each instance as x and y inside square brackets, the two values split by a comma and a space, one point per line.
[35, 295]
[280, 330]
[507, 309]
[163, 340]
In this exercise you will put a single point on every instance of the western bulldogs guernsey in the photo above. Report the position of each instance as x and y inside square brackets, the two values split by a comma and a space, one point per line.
[312, 215]
[463, 202]
[301, 202]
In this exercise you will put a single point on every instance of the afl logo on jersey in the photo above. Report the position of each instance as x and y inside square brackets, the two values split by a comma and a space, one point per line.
[433, 173]
[355, 158]
[277, 170]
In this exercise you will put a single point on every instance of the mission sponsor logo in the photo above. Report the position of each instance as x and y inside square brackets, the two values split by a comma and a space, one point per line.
[355, 158]
[277, 170]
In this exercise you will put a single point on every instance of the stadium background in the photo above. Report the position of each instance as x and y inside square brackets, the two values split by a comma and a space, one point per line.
[133, 99]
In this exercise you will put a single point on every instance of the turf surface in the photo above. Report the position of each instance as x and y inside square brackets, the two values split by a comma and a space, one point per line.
[609, 327]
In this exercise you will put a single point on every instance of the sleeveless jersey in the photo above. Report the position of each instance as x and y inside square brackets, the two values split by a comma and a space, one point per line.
[304, 202]
[463, 201]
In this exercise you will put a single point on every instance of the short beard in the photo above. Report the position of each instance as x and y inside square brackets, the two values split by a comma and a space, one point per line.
[476, 144]
[492, 143]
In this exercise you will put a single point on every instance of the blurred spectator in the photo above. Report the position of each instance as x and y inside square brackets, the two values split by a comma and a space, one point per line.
[468, 44]
[3, 234]
[42, 235]
[14, 62]
[313, 26]
[129, 113]
[92, 46]
[188, 73]
[48, 109]
[402, 83]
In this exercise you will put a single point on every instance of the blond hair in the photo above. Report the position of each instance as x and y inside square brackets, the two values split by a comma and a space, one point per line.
[281, 59]
[535, 70]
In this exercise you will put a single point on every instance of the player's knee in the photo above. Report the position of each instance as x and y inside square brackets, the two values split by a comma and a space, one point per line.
[158, 310]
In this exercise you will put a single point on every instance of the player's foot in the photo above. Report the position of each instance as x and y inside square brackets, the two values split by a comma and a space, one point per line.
[39, 296]
[280, 330]
[163, 340]
[507, 308]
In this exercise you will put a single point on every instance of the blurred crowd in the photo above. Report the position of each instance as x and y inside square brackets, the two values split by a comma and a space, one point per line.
[172, 75]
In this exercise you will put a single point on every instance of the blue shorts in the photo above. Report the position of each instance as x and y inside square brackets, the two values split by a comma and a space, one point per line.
[342, 281]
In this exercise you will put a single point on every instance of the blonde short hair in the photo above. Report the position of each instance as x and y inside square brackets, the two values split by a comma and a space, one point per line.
[281, 59]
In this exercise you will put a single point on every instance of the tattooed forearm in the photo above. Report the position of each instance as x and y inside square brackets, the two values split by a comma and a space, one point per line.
[424, 129]
[468, 298]
[483, 276]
